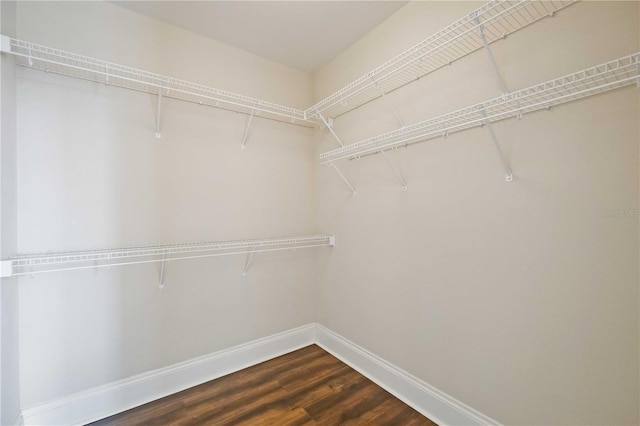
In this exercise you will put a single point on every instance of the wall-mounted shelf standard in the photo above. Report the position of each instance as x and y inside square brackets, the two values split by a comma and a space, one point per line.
[497, 19]
[64, 261]
[83, 67]
[601, 78]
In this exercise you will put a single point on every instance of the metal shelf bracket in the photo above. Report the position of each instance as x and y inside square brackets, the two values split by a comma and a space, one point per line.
[344, 179]
[329, 125]
[246, 129]
[158, 134]
[395, 171]
[161, 284]
[494, 139]
[388, 102]
[248, 262]
[505, 91]
[487, 48]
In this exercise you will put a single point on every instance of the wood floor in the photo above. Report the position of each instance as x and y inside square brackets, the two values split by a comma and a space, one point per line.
[306, 387]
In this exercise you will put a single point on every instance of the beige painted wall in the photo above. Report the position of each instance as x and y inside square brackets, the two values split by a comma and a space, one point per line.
[519, 299]
[119, 35]
[92, 175]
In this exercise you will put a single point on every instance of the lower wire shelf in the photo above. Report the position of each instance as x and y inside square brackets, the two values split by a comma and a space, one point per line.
[38, 263]
[601, 78]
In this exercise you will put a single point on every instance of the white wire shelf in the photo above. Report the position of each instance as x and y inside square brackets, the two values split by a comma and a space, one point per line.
[591, 81]
[497, 19]
[64, 261]
[86, 68]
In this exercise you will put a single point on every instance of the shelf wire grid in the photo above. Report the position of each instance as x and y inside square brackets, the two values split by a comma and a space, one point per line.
[61, 261]
[591, 81]
[498, 19]
[86, 68]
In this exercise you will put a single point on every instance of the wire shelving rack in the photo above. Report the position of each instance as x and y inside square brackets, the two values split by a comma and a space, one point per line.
[497, 19]
[591, 81]
[71, 260]
[86, 68]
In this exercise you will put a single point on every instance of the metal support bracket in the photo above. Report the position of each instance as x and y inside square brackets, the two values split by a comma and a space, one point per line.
[445, 130]
[389, 104]
[248, 262]
[505, 90]
[487, 48]
[246, 129]
[505, 164]
[330, 127]
[344, 179]
[158, 134]
[161, 284]
[30, 59]
[395, 171]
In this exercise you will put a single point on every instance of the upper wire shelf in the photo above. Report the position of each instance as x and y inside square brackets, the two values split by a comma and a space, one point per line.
[497, 19]
[63, 261]
[601, 78]
[83, 67]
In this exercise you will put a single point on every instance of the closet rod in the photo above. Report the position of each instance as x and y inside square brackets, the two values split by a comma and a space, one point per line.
[57, 61]
[591, 81]
[498, 18]
[71, 260]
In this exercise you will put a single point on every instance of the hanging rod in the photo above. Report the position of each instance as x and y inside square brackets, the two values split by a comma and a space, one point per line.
[498, 18]
[600, 78]
[64, 261]
[86, 68]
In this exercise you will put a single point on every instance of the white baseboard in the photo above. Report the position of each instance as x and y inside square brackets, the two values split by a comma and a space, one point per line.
[422, 397]
[100, 402]
[97, 403]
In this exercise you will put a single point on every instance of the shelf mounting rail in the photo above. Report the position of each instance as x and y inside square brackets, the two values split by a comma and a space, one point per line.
[29, 264]
[499, 19]
[591, 81]
[86, 68]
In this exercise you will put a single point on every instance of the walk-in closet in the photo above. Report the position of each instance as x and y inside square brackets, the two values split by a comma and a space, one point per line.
[320, 212]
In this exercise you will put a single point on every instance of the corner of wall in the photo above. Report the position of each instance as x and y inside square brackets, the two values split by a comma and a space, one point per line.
[9, 361]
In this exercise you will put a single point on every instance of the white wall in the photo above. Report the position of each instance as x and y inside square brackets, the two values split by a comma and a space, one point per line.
[91, 175]
[9, 293]
[519, 299]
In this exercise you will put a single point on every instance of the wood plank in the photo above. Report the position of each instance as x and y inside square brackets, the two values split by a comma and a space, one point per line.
[308, 387]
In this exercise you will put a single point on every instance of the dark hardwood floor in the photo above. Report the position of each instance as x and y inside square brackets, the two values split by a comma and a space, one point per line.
[305, 387]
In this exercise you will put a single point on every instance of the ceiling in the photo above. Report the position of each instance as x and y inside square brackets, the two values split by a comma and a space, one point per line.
[301, 34]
